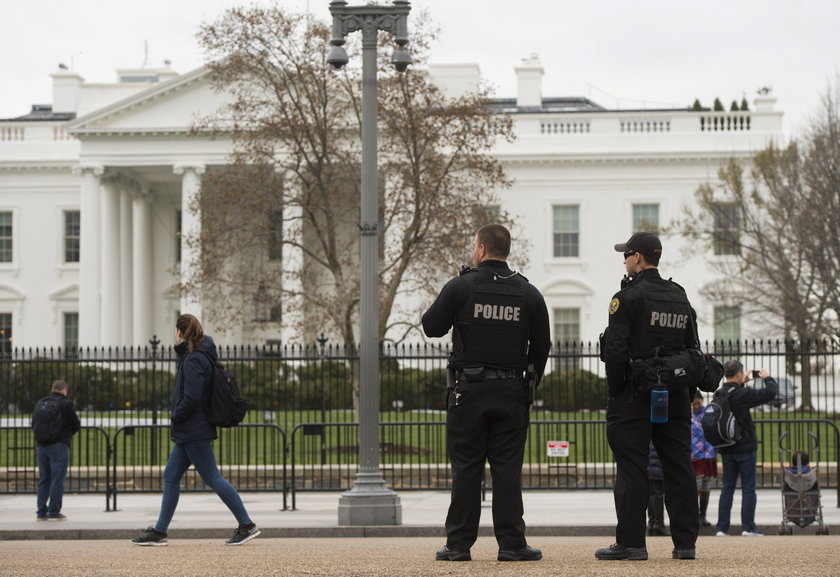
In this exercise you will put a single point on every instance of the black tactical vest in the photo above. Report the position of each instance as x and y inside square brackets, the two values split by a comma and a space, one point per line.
[665, 320]
[492, 326]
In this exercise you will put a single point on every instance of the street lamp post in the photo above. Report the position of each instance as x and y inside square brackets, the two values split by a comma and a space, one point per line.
[369, 502]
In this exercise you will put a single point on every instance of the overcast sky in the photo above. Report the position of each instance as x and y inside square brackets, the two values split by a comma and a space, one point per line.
[620, 53]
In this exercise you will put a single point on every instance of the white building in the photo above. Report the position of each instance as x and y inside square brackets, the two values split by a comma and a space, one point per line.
[95, 192]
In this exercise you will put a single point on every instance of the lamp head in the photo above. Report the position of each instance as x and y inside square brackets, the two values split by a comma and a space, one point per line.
[401, 58]
[337, 57]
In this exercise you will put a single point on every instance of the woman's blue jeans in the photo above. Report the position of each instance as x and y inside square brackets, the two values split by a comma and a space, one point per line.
[200, 454]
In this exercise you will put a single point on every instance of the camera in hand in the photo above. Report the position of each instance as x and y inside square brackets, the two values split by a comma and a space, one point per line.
[755, 374]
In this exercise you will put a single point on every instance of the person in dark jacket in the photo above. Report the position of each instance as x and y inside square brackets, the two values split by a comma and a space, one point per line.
[55, 415]
[656, 505]
[500, 326]
[192, 435]
[739, 460]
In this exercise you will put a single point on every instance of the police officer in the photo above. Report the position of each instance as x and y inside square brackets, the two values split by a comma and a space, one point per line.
[500, 329]
[648, 312]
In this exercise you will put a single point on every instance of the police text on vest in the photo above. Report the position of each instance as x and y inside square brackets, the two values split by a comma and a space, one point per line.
[496, 312]
[670, 320]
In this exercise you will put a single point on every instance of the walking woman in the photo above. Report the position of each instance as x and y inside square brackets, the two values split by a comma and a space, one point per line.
[193, 435]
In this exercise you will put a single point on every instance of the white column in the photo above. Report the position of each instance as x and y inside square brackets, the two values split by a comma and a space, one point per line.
[89, 257]
[126, 269]
[142, 273]
[190, 237]
[110, 285]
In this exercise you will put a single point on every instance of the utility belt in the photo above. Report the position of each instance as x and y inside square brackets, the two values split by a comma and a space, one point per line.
[475, 374]
[678, 370]
[458, 380]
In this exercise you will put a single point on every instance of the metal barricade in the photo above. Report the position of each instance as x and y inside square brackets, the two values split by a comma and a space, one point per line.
[251, 456]
[88, 470]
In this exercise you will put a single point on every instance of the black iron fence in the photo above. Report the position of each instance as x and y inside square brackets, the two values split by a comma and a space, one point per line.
[301, 431]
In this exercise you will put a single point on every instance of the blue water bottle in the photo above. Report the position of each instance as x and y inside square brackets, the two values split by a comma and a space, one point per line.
[659, 405]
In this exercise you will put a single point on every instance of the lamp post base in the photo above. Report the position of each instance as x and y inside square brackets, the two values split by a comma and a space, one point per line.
[369, 502]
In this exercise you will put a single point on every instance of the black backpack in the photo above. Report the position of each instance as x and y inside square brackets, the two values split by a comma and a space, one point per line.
[225, 407]
[719, 425]
[48, 420]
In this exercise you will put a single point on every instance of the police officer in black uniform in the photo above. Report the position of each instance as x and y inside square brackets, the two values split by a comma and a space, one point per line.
[500, 335]
[648, 314]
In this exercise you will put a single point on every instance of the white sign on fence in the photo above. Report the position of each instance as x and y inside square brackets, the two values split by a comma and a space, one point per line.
[558, 448]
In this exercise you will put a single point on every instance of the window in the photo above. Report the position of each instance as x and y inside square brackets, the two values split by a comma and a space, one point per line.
[72, 235]
[275, 238]
[276, 314]
[645, 217]
[488, 213]
[728, 324]
[567, 325]
[71, 332]
[566, 231]
[6, 236]
[726, 234]
[178, 232]
[567, 337]
[6, 335]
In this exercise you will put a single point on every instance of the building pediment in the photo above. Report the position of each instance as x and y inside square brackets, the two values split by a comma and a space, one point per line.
[10, 293]
[170, 107]
[67, 293]
[567, 288]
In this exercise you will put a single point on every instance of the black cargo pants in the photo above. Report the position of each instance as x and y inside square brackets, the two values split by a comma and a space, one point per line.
[629, 431]
[489, 423]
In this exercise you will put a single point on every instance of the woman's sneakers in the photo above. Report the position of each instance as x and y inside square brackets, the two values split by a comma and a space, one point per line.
[243, 534]
[151, 537]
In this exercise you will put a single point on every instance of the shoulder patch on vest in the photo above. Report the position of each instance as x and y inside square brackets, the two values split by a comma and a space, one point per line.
[614, 306]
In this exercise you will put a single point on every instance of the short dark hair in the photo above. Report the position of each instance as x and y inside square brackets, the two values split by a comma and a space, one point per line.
[800, 456]
[732, 368]
[496, 239]
[59, 385]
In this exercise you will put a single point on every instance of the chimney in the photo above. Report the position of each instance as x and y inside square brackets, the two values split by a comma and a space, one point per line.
[166, 73]
[455, 80]
[67, 89]
[529, 82]
[765, 101]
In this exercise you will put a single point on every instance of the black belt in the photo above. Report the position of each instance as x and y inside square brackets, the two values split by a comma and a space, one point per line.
[479, 374]
[501, 374]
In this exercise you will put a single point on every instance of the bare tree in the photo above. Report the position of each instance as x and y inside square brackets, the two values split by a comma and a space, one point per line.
[282, 219]
[776, 234]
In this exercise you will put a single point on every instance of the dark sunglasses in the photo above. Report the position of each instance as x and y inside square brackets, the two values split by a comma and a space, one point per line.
[629, 253]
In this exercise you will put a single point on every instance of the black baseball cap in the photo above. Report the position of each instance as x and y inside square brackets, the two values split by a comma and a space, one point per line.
[645, 243]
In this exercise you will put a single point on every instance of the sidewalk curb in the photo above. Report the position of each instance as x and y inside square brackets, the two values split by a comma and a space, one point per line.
[338, 532]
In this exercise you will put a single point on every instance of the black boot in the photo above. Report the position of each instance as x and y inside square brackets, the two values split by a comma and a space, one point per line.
[658, 528]
[704, 505]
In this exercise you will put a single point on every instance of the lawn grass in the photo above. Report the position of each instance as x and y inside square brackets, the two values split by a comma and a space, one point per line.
[420, 438]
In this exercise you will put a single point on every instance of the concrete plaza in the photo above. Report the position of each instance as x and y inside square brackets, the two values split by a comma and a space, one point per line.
[567, 525]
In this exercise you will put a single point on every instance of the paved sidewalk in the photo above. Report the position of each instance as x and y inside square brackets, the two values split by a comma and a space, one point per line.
[202, 515]
[562, 557]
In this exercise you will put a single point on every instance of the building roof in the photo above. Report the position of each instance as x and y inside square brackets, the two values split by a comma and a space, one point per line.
[564, 104]
[41, 113]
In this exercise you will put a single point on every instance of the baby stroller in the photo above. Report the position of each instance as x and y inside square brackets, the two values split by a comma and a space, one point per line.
[801, 503]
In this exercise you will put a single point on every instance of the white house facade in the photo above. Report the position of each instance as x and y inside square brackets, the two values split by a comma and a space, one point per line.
[97, 189]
